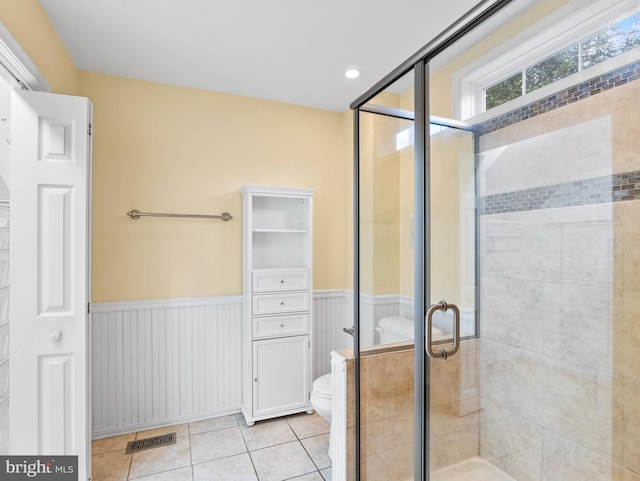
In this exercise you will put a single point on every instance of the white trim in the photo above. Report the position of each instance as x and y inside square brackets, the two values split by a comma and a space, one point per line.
[118, 306]
[339, 422]
[134, 428]
[163, 303]
[381, 299]
[564, 26]
[324, 293]
[405, 300]
[18, 64]
[269, 190]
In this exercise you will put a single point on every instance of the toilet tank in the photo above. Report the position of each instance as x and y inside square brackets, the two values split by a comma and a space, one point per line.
[395, 329]
[398, 329]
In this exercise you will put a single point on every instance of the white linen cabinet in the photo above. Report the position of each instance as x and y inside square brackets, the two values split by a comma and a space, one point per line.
[277, 292]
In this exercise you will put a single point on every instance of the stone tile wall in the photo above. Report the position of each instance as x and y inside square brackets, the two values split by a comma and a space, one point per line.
[591, 87]
[560, 288]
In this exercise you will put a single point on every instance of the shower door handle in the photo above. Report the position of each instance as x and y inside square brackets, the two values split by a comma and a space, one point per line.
[443, 353]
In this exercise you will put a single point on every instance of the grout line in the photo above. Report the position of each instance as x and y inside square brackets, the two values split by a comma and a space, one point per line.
[294, 431]
[301, 475]
[160, 472]
[305, 450]
[218, 459]
[190, 452]
[311, 458]
[193, 476]
[248, 452]
[131, 460]
[274, 445]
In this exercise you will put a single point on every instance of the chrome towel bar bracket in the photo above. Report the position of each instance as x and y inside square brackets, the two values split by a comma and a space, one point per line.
[135, 214]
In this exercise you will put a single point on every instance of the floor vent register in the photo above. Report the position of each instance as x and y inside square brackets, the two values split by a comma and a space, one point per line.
[150, 443]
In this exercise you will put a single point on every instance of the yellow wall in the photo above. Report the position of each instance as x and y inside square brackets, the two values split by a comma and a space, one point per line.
[171, 149]
[164, 148]
[30, 26]
[347, 132]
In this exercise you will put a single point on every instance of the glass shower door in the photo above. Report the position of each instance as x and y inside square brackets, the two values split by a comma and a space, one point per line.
[453, 381]
[548, 388]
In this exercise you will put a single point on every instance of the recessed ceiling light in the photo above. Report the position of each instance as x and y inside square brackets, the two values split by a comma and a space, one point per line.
[352, 73]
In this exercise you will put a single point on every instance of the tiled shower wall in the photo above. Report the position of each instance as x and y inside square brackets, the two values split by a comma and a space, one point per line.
[560, 287]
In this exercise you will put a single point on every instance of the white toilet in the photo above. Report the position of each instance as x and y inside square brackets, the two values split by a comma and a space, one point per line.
[321, 396]
[391, 329]
[398, 329]
[321, 399]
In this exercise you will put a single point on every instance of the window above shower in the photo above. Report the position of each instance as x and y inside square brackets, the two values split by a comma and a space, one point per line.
[557, 53]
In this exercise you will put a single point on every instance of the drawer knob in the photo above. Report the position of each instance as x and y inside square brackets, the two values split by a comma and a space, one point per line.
[282, 281]
[281, 325]
[282, 303]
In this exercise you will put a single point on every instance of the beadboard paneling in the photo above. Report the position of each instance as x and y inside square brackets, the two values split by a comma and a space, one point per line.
[175, 360]
[330, 316]
[153, 365]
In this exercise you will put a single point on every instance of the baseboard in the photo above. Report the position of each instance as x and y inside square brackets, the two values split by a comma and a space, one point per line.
[134, 428]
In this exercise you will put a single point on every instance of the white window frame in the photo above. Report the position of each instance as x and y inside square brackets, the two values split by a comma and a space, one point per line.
[569, 24]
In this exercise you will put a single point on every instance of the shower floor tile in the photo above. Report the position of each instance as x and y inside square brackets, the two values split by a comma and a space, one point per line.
[474, 469]
[222, 449]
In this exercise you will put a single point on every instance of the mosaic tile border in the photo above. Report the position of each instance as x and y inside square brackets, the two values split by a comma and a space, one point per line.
[594, 86]
[597, 190]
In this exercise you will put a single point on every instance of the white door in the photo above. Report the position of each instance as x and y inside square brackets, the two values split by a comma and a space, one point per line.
[49, 324]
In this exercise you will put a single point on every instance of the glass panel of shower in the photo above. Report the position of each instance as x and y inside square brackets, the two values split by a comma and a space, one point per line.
[453, 381]
[385, 255]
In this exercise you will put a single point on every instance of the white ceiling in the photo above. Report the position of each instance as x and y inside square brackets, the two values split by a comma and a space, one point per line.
[292, 51]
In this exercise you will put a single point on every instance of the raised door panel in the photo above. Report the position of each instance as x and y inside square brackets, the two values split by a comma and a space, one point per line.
[280, 375]
[50, 172]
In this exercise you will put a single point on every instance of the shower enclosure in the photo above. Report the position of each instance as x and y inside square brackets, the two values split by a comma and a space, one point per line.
[497, 274]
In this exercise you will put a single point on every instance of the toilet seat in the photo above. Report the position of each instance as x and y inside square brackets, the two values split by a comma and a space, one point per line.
[322, 386]
[321, 396]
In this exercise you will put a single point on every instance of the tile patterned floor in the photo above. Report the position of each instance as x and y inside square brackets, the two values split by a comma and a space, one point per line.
[222, 449]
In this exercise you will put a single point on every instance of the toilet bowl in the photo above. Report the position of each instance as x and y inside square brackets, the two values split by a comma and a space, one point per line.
[321, 396]
[321, 399]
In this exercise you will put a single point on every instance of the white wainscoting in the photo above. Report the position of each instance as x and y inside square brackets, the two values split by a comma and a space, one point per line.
[169, 361]
[377, 307]
[331, 314]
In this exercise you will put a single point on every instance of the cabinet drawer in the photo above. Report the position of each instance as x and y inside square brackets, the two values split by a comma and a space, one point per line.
[280, 280]
[281, 325]
[280, 303]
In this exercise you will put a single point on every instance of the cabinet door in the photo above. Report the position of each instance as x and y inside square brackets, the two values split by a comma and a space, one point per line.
[280, 375]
